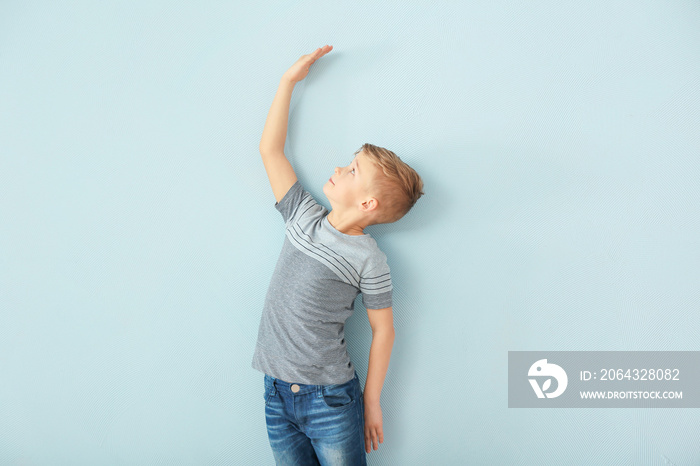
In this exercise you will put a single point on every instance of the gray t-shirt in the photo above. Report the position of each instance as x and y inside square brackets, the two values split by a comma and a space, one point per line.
[318, 275]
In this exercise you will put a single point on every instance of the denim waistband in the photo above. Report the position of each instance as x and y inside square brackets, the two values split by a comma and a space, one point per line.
[286, 387]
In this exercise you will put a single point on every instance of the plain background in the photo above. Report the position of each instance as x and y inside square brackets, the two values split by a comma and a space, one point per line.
[558, 143]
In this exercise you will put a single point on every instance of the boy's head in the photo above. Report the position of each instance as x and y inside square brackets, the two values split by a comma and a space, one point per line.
[377, 185]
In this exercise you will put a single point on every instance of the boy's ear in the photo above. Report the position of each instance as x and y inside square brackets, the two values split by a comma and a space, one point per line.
[369, 204]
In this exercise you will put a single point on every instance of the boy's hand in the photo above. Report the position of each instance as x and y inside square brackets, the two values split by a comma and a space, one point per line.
[300, 69]
[373, 426]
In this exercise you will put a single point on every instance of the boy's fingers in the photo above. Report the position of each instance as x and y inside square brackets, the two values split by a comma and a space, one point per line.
[322, 50]
[312, 57]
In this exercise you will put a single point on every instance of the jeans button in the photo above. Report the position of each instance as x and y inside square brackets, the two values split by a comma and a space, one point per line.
[295, 388]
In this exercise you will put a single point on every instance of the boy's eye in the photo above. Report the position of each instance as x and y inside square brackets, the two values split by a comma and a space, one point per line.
[353, 171]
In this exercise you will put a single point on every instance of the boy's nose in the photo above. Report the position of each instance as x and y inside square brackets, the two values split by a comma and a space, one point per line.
[337, 170]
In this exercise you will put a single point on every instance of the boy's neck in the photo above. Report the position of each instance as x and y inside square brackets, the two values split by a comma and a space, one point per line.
[345, 224]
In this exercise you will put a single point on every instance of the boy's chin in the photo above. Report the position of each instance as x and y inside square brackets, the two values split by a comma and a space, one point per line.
[330, 201]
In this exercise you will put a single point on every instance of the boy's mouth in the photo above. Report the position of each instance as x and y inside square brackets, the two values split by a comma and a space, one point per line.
[331, 180]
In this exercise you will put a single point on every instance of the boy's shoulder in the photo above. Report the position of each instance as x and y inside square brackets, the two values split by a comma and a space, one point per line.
[297, 202]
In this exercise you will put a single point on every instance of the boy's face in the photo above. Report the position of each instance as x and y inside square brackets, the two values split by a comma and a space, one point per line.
[346, 188]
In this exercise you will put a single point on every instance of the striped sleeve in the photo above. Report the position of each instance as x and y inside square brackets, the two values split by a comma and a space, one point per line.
[294, 202]
[376, 286]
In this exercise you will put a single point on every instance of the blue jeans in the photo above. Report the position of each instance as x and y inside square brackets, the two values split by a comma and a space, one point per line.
[315, 424]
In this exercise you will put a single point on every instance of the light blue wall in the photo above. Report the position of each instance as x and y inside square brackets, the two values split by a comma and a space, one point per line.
[559, 146]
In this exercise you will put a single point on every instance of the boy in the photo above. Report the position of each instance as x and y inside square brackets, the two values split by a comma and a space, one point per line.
[315, 410]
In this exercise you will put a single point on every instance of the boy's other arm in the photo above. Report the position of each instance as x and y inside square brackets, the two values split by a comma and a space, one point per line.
[382, 323]
[279, 170]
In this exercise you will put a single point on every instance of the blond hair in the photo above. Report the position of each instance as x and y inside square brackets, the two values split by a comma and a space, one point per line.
[397, 186]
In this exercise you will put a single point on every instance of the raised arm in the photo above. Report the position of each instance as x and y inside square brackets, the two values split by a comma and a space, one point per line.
[279, 170]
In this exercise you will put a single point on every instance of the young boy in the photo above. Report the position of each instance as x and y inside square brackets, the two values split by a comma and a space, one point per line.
[315, 410]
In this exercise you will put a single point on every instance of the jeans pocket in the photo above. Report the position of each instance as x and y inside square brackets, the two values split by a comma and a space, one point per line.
[339, 396]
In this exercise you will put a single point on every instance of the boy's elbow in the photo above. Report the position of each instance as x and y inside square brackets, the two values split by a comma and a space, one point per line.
[385, 332]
